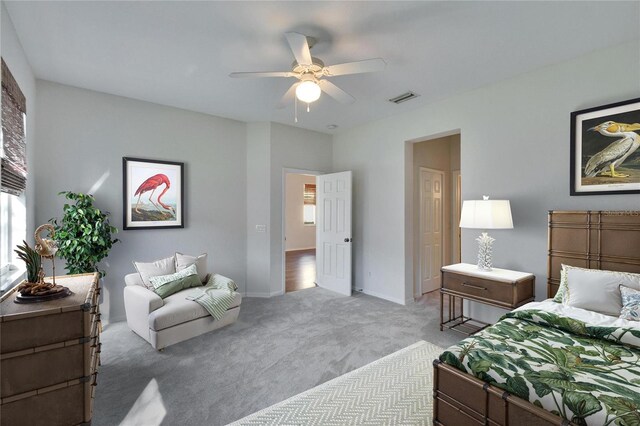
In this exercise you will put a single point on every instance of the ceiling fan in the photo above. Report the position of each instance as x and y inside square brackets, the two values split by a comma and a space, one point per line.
[311, 73]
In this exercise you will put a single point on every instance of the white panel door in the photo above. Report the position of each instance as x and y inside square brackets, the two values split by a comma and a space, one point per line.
[333, 232]
[431, 232]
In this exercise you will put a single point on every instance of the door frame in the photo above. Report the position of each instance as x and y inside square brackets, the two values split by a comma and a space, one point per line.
[285, 172]
[420, 213]
[456, 207]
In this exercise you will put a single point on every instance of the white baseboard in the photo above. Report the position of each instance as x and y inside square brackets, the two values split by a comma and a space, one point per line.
[255, 294]
[385, 297]
[262, 294]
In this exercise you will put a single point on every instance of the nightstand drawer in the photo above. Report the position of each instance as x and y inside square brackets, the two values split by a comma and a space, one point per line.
[494, 291]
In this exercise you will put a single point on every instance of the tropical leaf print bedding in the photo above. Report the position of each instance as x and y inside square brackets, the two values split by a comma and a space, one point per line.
[589, 375]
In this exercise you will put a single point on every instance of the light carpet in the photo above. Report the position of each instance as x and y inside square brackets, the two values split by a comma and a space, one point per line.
[278, 348]
[394, 390]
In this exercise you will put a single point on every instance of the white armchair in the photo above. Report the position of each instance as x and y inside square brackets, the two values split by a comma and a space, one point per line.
[164, 322]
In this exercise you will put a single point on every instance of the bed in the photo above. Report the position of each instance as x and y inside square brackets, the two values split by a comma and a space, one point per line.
[546, 363]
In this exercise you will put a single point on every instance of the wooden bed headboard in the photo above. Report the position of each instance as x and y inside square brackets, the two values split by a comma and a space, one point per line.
[592, 239]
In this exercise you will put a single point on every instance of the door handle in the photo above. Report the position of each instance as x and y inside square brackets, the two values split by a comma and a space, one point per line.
[348, 240]
[477, 287]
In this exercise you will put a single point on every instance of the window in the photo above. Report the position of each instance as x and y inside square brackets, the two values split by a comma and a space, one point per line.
[13, 229]
[13, 175]
[14, 158]
[309, 207]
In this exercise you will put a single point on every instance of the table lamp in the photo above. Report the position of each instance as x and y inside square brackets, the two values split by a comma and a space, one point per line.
[486, 214]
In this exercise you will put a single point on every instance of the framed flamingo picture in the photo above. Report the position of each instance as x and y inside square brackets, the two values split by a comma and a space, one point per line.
[153, 194]
[605, 158]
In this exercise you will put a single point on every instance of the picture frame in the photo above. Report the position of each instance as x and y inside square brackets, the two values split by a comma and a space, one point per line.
[605, 159]
[153, 194]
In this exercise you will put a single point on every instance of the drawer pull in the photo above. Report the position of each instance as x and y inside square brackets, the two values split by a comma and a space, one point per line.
[477, 287]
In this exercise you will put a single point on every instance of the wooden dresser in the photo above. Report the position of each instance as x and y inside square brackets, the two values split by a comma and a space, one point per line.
[502, 288]
[49, 356]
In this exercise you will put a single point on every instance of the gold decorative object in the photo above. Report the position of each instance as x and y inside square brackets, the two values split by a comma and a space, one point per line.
[41, 291]
[47, 248]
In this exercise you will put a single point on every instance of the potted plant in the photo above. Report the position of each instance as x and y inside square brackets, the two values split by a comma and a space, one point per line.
[32, 261]
[84, 234]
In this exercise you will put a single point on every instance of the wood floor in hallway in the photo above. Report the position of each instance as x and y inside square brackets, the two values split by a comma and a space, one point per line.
[300, 269]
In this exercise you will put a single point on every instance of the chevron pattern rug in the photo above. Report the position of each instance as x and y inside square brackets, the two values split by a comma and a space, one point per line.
[394, 390]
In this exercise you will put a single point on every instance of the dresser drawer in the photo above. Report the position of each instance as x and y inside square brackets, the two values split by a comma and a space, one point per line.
[61, 407]
[41, 369]
[492, 291]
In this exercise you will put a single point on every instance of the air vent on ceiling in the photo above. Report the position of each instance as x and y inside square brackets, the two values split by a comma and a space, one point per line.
[403, 98]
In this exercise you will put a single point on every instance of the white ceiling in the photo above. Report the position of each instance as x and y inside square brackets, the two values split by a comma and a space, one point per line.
[181, 53]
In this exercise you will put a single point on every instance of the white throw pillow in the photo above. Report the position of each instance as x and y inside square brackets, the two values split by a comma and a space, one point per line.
[598, 290]
[184, 261]
[153, 269]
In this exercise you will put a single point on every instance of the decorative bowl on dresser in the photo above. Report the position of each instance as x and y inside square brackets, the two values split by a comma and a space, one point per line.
[49, 356]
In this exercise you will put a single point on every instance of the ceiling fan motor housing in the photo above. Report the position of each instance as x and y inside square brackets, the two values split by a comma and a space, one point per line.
[315, 68]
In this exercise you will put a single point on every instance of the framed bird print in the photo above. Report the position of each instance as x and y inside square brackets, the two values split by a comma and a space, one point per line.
[605, 158]
[153, 194]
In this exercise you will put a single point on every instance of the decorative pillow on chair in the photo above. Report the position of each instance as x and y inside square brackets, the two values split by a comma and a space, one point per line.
[156, 268]
[166, 285]
[598, 290]
[630, 303]
[184, 260]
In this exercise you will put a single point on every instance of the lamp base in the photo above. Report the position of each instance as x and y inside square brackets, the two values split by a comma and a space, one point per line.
[485, 251]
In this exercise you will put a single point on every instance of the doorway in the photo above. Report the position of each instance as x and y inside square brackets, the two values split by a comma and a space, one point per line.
[299, 231]
[436, 204]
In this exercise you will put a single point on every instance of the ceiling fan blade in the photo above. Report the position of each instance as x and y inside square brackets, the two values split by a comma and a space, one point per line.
[368, 65]
[288, 96]
[299, 47]
[262, 74]
[335, 92]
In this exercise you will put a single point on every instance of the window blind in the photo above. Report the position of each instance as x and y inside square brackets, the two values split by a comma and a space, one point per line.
[14, 162]
[310, 194]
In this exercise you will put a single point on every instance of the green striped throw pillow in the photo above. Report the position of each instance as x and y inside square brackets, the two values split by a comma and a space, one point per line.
[166, 285]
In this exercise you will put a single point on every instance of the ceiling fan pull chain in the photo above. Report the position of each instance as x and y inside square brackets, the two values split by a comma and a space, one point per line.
[295, 108]
[308, 107]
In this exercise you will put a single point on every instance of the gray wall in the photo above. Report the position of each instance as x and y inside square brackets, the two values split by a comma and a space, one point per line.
[514, 145]
[82, 137]
[258, 214]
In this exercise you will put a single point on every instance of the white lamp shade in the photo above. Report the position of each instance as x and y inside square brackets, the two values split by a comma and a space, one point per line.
[308, 91]
[486, 214]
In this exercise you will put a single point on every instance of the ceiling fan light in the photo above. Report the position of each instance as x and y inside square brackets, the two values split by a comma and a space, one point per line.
[308, 91]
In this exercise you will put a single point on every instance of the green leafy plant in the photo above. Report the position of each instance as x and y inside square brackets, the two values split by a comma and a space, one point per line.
[32, 259]
[84, 235]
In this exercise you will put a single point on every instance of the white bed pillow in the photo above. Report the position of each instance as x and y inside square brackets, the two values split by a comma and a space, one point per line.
[184, 261]
[598, 290]
[156, 268]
